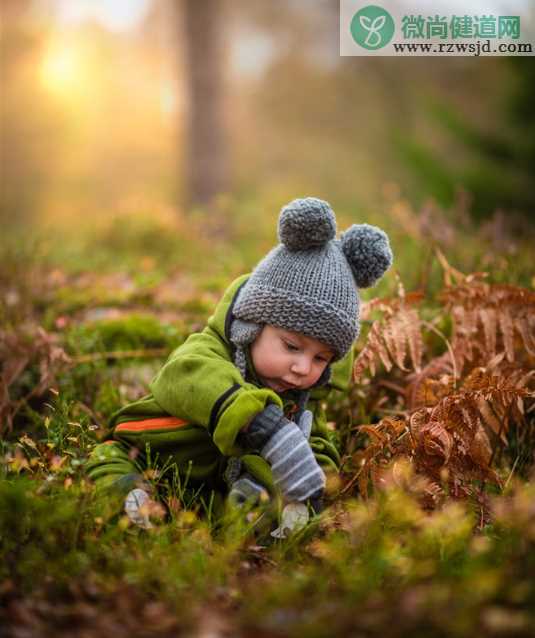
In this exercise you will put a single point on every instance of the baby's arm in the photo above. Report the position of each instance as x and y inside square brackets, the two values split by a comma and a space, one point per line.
[200, 384]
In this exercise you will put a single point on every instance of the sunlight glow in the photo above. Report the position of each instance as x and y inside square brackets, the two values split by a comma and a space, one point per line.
[117, 15]
[168, 99]
[61, 68]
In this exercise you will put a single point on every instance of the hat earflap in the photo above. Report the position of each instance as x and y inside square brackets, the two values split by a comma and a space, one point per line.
[243, 333]
[368, 252]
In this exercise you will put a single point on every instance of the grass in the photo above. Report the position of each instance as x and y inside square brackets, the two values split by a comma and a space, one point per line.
[383, 566]
[117, 298]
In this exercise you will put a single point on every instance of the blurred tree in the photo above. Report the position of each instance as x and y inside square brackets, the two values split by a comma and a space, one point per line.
[496, 166]
[206, 153]
[21, 170]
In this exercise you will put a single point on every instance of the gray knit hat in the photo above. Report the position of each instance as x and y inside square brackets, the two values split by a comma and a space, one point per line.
[308, 282]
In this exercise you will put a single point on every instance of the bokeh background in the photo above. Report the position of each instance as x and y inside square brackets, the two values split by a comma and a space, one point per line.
[128, 125]
[147, 147]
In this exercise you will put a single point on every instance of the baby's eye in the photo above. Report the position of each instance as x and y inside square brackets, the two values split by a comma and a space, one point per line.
[322, 359]
[290, 346]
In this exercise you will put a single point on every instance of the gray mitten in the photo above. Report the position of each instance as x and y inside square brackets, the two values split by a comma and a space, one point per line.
[284, 446]
[305, 423]
[246, 490]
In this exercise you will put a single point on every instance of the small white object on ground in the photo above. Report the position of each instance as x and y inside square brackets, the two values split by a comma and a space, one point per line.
[294, 517]
[134, 502]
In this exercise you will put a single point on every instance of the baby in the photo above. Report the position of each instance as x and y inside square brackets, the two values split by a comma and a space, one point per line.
[236, 409]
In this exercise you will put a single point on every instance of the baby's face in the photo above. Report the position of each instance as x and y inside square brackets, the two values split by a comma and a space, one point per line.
[286, 360]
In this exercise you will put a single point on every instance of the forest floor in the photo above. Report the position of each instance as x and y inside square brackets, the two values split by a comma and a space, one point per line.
[428, 530]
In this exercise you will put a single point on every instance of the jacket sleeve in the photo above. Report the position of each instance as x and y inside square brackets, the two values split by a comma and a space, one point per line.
[201, 384]
[321, 439]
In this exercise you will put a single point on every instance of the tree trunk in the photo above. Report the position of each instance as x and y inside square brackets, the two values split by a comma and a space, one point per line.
[206, 164]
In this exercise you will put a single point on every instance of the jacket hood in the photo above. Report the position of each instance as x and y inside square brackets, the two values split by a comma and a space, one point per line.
[222, 317]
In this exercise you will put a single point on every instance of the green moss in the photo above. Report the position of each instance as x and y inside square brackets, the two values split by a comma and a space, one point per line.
[132, 332]
[198, 307]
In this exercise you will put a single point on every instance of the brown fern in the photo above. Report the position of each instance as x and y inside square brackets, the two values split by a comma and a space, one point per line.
[28, 347]
[393, 336]
[449, 442]
[491, 318]
[461, 404]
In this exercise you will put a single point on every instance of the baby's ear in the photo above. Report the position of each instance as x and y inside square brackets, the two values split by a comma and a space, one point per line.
[368, 252]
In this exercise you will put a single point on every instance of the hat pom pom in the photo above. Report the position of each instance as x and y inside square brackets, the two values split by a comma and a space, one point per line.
[306, 223]
[368, 252]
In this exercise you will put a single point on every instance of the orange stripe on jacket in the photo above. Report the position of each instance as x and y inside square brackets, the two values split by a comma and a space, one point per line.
[160, 423]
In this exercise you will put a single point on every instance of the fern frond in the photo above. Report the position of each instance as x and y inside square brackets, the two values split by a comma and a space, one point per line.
[410, 321]
[460, 404]
[391, 337]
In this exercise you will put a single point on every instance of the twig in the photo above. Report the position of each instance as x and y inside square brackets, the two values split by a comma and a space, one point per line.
[390, 411]
[393, 386]
[85, 408]
[427, 264]
[503, 423]
[510, 473]
[120, 354]
[431, 327]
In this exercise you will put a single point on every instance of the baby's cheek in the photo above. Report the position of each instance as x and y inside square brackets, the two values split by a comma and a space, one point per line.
[319, 371]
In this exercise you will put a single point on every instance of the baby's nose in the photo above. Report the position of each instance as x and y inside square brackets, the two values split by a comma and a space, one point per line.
[301, 366]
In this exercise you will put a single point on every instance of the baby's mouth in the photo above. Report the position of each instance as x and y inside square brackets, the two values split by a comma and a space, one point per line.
[286, 386]
[279, 385]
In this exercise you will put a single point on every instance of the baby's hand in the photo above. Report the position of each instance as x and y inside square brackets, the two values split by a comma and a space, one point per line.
[284, 446]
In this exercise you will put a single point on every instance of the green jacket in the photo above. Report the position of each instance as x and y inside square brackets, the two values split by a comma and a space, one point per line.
[200, 384]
